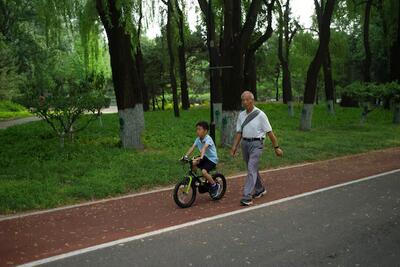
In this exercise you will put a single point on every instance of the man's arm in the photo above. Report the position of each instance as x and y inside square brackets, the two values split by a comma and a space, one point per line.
[274, 142]
[236, 142]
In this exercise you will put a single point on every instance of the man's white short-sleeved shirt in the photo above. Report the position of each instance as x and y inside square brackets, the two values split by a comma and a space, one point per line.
[256, 128]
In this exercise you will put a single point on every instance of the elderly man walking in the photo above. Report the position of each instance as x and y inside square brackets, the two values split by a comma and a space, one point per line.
[251, 127]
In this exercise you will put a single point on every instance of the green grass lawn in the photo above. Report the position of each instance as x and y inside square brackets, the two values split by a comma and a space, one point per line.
[35, 173]
[10, 110]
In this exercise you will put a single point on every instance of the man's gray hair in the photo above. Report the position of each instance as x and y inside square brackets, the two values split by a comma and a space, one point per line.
[247, 93]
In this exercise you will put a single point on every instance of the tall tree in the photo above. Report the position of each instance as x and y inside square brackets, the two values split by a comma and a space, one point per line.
[326, 63]
[170, 33]
[118, 26]
[367, 48]
[287, 31]
[182, 58]
[236, 38]
[395, 51]
[315, 66]
[140, 63]
[250, 74]
[207, 8]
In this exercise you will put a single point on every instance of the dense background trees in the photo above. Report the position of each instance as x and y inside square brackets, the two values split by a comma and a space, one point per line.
[255, 45]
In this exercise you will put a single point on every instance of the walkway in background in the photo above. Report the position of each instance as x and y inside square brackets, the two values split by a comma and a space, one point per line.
[7, 123]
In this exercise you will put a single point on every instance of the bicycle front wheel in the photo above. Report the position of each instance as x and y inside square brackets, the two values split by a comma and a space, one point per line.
[184, 194]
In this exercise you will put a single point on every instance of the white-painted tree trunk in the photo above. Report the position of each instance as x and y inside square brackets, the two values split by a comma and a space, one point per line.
[131, 121]
[330, 106]
[290, 108]
[228, 129]
[306, 117]
[396, 113]
[217, 109]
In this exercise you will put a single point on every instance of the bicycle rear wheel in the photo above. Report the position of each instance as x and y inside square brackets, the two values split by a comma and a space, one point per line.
[220, 179]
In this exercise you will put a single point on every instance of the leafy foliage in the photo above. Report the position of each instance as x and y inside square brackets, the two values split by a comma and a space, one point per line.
[10, 80]
[65, 101]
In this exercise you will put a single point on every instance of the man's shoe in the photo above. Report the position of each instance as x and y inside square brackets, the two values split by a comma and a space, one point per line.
[260, 194]
[215, 190]
[246, 202]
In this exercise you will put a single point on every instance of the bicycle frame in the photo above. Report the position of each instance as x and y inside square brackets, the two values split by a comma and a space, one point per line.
[192, 177]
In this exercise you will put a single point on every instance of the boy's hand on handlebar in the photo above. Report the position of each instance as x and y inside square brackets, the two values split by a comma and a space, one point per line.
[183, 158]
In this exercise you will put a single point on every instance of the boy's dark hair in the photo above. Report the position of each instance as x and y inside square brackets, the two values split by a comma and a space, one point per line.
[203, 124]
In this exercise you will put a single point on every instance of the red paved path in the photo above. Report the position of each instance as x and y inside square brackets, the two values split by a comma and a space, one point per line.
[43, 235]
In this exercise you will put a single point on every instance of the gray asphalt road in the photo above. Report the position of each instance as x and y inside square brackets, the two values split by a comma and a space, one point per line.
[355, 225]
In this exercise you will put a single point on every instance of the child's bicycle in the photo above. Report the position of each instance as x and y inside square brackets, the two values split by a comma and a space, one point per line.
[185, 190]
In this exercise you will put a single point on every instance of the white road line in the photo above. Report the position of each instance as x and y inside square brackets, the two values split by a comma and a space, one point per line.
[176, 227]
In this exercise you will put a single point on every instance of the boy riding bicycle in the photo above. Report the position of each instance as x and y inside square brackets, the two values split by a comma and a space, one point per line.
[208, 155]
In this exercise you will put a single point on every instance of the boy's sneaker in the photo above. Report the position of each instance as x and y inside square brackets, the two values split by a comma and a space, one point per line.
[260, 194]
[246, 202]
[215, 190]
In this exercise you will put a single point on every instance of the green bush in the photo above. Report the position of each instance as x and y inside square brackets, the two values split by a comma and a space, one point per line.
[62, 104]
[392, 91]
[367, 95]
[9, 106]
[363, 92]
[10, 110]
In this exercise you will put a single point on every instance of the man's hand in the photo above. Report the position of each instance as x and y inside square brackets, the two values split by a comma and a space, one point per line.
[278, 152]
[233, 151]
[235, 145]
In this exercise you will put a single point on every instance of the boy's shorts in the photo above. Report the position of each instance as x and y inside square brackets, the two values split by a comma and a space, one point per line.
[206, 164]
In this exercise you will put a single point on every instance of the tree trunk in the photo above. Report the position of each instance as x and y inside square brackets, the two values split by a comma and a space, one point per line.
[172, 60]
[228, 128]
[290, 108]
[367, 49]
[315, 65]
[235, 40]
[278, 72]
[214, 67]
[395, 53]
[140, 68]
[125, 76]
[386, 54]
[326, 65]
[306, 116]
[213, 51]
[182, 60]
[286, 83]
[328, 81]
[396, 113]
[250, 73]
[140, 64]
[283, 54]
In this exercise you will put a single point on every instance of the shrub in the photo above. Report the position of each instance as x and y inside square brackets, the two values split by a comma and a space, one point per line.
[367, 95]
[65, 101]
